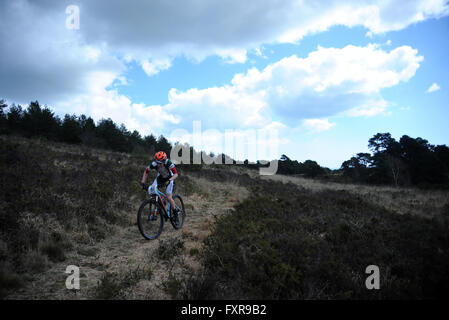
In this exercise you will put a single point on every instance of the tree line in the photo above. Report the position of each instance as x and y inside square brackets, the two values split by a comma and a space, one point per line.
[308, 168]
[407, 162]
[40, 121]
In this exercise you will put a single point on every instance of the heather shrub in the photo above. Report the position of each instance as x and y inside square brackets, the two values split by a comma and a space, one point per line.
[288, 243]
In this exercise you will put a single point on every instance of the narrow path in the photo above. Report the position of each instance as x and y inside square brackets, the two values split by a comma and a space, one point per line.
[127, 255]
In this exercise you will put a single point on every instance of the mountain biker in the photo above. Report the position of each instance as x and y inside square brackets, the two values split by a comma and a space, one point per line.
[166, 174]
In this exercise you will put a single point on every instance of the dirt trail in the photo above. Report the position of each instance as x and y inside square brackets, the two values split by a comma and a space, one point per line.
[125, 253]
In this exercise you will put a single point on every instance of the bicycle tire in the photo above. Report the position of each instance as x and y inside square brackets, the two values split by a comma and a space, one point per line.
[144, 223]
[179, 222]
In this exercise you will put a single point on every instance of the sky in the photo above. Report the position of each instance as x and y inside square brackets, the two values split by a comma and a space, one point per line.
[254, 79]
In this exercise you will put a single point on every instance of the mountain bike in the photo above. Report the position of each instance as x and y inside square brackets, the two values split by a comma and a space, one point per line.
[152, 213]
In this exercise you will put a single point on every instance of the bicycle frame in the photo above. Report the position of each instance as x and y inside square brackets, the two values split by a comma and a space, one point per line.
[161, 198]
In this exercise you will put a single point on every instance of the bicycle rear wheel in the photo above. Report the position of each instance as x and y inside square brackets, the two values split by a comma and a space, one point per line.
[178, 221]
[150, 224]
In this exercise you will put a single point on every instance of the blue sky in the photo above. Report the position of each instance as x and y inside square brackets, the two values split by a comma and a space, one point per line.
[321, 77]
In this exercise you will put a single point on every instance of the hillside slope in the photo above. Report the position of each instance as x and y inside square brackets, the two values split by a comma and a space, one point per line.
[245, 236]
[68, 205]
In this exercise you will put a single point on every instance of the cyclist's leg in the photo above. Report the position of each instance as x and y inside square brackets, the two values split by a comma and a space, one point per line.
[161, 182]
[153, 216]
[154, 184]
[168, 192]
[169, 189]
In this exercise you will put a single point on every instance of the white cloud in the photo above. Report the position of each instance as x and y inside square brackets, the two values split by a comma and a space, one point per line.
[376, 16]
[369, 109]
[42, 59]
[61, 66]
[159, 30]
[434, 87]
[329, 81]
[233, 55]
[317, 125]
[221, 107]
[152, 68]
[100, 103]
[57, 60]
[258, 52]
[358, 69]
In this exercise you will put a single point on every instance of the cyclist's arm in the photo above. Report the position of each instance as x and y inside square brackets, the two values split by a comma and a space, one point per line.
[174, 172]
[145, 175]
[151, 166]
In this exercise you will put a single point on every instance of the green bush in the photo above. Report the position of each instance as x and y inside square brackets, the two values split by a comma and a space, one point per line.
[172, 286]
[108, 286]
[169, 248]
[9, 279]
[114, 286]
[54, 251]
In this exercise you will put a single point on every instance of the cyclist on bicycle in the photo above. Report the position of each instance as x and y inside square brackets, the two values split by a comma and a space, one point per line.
[166, 174]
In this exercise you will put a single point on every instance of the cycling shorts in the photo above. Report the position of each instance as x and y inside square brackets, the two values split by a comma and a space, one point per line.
[160, 182]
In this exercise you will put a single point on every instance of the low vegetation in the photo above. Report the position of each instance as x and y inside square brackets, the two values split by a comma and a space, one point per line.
[290, 243]
[54, 202]
[115, 286]
[279, 241]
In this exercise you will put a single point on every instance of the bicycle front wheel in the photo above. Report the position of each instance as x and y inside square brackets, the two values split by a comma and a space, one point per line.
[150, 222]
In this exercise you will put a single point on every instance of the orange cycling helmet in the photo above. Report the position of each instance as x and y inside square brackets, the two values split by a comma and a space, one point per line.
[160, 156]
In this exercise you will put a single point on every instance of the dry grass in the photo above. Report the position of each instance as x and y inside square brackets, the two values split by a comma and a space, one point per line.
[426, 203]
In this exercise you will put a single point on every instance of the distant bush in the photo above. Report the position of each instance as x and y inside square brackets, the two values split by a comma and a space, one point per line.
[308, 168]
